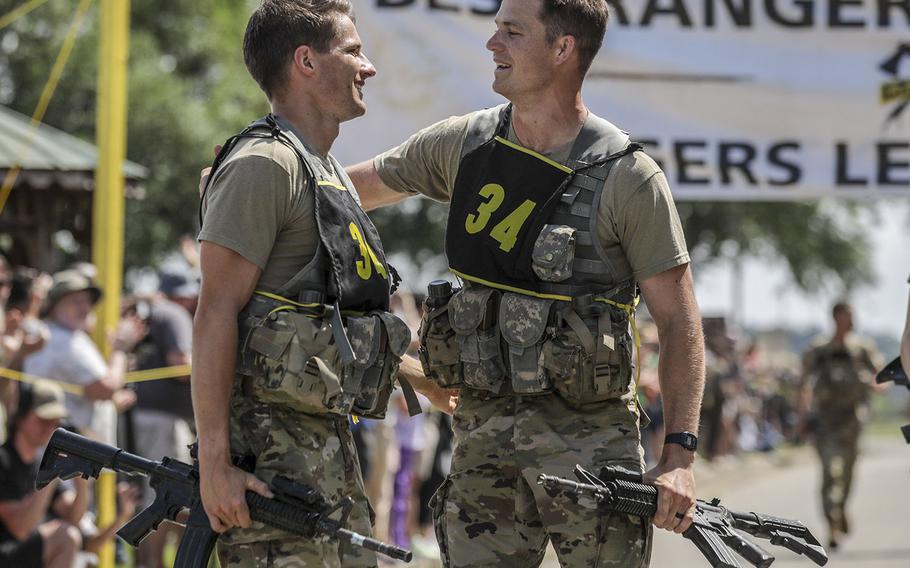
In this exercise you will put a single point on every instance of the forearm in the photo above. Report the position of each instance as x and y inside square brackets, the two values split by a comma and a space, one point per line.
[681, 373]
[411, 371]
[373, 192]
[23, 516]
[94, 543]
[212, 379]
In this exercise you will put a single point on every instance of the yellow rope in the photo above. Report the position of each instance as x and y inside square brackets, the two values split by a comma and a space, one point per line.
[131, 377]
[46, 95]
[24, 378]
[157, 374]
[20, 11]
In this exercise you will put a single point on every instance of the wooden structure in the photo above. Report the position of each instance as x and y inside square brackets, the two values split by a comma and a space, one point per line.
[53, 192]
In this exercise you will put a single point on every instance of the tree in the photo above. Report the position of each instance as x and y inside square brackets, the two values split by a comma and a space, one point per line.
[188, 89]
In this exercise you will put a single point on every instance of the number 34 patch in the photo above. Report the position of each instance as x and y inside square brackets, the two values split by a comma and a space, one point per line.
[506, 231]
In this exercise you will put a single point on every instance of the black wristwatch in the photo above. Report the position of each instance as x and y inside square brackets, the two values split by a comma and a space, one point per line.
[688, 440]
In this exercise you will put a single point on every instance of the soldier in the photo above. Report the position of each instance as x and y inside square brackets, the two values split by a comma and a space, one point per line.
[556, 221]
[283, 236]
[836, 381]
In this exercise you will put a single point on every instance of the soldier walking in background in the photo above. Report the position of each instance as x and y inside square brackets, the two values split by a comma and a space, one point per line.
[836, 381]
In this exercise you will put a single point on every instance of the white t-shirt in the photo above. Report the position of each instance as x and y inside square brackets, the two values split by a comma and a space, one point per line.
[70, 357]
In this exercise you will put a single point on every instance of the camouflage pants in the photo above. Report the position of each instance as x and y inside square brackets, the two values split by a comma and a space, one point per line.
[490, 512]
[838, 448]
[314, 449]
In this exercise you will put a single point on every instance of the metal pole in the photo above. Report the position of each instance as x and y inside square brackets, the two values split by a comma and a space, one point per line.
[107, 211]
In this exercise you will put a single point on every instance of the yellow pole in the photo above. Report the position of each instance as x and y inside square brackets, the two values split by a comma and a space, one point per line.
[107, 212]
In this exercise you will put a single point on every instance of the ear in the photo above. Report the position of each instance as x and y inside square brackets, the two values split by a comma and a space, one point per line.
[565, 47]
[304, 61]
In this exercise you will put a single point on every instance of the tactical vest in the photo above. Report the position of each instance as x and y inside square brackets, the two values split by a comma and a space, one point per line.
[843, 378]
[334, 347]
[541, 309]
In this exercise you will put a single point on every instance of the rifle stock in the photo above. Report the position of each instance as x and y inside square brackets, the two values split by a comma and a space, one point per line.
[895, 372]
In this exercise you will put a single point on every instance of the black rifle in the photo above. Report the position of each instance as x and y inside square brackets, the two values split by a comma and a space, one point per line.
[296, 508]
[895, 372]
[623, 491]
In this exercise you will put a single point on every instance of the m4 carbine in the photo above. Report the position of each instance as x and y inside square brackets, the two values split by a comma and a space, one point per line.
[296, 508]
[894, 371]
[623, 491]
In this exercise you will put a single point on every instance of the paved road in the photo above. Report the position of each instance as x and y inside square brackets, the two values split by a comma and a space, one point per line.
[880, 508]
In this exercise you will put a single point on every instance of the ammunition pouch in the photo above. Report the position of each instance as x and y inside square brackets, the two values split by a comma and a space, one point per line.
[589, 362]
[289, 358]
[523, 323]
[439, 352]
[472, 312]
[554, 253]
[510, 343]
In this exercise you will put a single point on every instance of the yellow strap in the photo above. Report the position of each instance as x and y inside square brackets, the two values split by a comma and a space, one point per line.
[530, 152]
[511, 288]
[56, 71]
[285, 300]
[325, 183]
[630, 313]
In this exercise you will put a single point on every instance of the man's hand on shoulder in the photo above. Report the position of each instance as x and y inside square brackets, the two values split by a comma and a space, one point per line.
[674, 477]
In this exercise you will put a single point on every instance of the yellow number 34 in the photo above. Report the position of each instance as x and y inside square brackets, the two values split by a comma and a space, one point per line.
[506, 231]
[368, 258]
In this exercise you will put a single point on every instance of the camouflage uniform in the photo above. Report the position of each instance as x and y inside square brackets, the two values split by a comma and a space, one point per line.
[491, 512]
[292, 394]
[842, 380]
[538, 339]
[317, 450]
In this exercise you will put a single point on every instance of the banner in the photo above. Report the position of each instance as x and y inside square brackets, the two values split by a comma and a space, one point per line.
[737, 99]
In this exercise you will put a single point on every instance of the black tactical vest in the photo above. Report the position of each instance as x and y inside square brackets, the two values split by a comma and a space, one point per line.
[349, 266]
[511, 207]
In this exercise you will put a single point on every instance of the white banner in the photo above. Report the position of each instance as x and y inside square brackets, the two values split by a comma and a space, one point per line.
[737, 99]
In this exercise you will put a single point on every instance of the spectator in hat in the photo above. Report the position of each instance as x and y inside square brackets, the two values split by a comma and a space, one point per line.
[27, 538]
[163, 414]
[71, 357]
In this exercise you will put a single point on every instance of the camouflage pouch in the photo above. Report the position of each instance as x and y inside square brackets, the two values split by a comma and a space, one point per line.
[554, 253]
[439, 352]
[523, 323]
[378, 341]
[592, 369]
[472, 312]
[296, 366]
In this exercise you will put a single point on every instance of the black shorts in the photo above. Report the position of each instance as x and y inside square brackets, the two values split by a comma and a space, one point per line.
[25, 554]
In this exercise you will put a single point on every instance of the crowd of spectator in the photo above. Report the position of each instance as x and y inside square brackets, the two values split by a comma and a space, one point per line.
[55, 375]
[46, 323]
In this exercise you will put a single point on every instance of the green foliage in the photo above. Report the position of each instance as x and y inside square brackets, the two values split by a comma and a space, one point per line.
[188, 90]
[825, 246]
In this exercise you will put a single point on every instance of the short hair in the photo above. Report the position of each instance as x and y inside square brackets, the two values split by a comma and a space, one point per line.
[585, 20]
[839, 308]
[278, 27]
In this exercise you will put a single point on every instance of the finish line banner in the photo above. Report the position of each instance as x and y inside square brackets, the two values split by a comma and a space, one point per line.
[737, 99]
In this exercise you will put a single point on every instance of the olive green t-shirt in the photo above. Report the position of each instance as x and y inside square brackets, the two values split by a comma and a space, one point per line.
[637, 222]
[260, 205]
